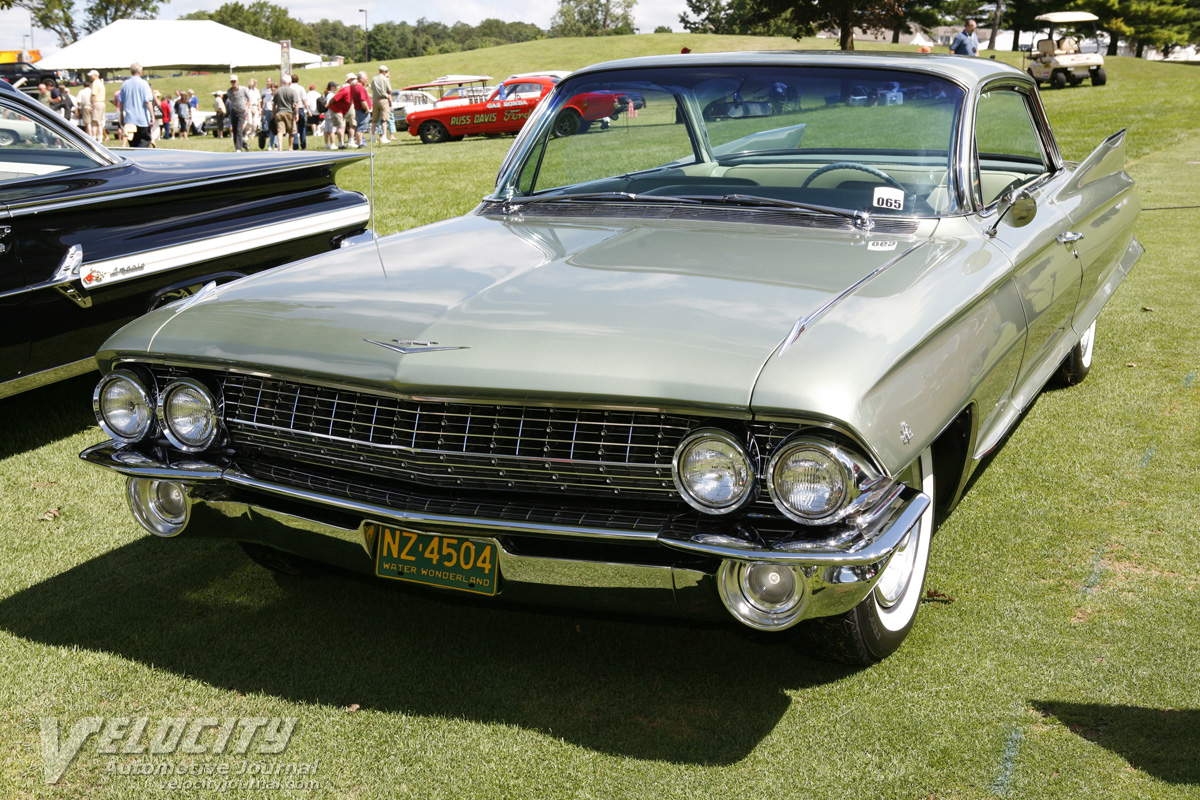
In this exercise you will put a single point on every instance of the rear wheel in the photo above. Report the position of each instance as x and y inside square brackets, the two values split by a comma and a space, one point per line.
[433, 132]
[1099, 76]
[875, 628]
[567, 123]
[1058, 79]
[7, 137]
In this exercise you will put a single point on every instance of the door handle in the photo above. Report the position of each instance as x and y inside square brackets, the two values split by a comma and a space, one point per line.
[1070, 237]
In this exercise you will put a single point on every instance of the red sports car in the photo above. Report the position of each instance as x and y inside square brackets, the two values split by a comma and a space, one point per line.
[506, 110]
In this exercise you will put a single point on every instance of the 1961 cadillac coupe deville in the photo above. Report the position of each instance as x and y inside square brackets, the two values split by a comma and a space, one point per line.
[92, 238]
[728, 357]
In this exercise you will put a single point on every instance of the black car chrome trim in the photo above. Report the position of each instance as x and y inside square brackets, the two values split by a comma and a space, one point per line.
[38, 207]
[71, 275]
[46, 377]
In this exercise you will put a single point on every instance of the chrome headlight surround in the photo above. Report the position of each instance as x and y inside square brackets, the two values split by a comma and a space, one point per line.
[853, 483]
[725, 442]
[138, 398]
[191, 437]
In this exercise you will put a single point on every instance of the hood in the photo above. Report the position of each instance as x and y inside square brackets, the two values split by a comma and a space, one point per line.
[682, 316]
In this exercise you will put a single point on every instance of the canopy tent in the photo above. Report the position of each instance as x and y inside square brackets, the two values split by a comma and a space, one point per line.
[199, 44]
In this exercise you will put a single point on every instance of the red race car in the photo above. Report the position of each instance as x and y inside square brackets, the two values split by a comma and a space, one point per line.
[506, 110]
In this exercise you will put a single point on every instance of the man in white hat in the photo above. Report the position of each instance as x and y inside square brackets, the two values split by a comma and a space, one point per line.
[96, 126]
[381, 104]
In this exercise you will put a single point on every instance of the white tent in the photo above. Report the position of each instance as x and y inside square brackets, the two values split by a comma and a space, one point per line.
[174, 44]
[920, 41]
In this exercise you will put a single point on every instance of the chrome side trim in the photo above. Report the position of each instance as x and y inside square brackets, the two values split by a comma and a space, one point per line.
[129, 266]
[47, 377]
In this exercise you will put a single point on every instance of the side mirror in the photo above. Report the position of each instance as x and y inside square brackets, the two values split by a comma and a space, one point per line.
[1020, 205]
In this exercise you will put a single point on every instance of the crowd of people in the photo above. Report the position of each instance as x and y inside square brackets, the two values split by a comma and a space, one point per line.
[282, 116]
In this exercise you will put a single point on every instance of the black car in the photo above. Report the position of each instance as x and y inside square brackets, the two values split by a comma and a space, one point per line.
[14, 71]
[91, 238]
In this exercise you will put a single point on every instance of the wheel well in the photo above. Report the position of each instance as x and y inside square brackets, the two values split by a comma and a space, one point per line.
[952, 460]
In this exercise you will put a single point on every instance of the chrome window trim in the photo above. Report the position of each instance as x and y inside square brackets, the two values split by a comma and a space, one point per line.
[1041, 127]
[84, 144]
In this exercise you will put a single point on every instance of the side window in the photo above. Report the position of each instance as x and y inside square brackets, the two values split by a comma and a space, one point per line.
[30, 147]
[1008, 144]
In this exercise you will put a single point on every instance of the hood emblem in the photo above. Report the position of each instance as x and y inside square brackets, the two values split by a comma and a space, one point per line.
[407, 346]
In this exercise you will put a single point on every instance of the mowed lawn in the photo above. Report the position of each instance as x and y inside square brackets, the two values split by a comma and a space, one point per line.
[1055, 656]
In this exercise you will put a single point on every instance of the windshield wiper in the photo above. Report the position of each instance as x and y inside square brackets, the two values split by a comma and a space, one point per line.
[771, 202]
[515, 202]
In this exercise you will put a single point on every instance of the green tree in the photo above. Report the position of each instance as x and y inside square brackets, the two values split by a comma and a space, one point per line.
[807, 17]
[58, 16]
[262, 19]
[733, 17]
[593, 18]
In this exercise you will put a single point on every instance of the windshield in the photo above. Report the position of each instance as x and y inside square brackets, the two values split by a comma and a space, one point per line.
[867, 140]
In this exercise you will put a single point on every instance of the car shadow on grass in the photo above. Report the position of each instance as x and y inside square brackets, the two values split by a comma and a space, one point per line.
[38, 417]
[1160, 742]
[632, 687]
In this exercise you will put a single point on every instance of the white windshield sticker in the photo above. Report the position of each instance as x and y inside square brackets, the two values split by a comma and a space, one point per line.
[890, 198]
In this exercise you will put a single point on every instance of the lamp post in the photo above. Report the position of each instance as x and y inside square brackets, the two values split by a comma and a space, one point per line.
[366, 36]
[24, 47]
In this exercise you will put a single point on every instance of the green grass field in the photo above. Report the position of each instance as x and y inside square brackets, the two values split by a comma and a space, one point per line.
[1055, 656]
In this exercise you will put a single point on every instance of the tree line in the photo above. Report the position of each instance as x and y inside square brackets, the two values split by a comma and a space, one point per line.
[1164, 24]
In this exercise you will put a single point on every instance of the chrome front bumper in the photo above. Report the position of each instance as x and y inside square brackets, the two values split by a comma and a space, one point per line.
[680, 579]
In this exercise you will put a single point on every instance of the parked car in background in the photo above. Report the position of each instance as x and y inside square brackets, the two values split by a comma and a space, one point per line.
[31, 74]
[507, 108]
[719, 366]
[448, 90]
[91, 238]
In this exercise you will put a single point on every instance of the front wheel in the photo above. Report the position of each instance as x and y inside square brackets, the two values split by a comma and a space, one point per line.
[875, 628]
[1058, 80]
[433, 132]
[1078, 363]
[1099, 76]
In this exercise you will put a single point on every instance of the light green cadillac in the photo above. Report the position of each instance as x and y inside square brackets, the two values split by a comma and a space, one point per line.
[728, 355]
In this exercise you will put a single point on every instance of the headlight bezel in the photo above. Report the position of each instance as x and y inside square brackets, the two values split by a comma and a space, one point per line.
[215, 409]
[144, 394]
[860, 480]
[750, 490]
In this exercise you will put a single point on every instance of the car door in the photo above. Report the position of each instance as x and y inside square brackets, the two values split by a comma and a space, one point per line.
[14, 307]
[1011, 154]
[513, 104]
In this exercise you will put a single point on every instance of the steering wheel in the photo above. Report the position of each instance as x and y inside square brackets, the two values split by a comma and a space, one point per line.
[852, 165]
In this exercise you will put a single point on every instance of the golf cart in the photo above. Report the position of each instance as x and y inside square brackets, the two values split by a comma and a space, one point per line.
[1059, 62]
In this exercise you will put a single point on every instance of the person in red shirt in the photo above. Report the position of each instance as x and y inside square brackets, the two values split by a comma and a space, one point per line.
[165, 102]
[361, 96]
[340, 106]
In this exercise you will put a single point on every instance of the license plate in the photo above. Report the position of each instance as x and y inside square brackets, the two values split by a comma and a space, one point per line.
[449, 562]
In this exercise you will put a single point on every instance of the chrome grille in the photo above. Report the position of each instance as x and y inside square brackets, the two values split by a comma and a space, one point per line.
[452, 444]
[457, 445]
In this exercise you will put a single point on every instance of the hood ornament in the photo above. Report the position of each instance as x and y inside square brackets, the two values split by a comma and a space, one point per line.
[408, 346]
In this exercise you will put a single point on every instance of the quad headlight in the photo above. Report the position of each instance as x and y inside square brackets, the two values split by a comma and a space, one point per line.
[815, 482]
[188, 414]
[122, 406]
[712, 471]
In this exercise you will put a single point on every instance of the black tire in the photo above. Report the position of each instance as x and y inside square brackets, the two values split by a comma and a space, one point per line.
[567, 123]
[281, 562]
[1058, 79]
[433, 132]
[1078, 363]
[1099, 76]
[876, 627]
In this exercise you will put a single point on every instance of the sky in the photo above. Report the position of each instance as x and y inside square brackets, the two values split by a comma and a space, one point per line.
[647, 14]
